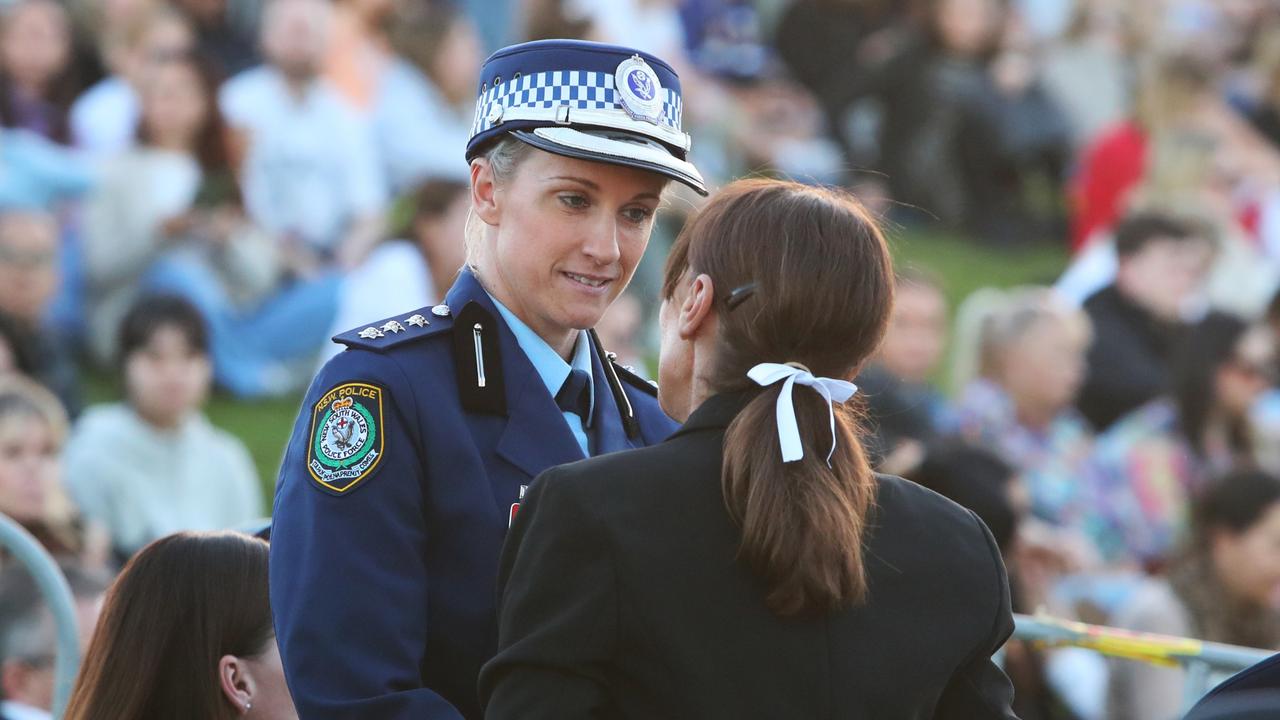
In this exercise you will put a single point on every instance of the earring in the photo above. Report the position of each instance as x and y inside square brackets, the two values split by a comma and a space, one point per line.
[247, 705]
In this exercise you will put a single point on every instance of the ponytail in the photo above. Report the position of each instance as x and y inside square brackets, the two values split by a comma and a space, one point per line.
[804, 277]
[802, 522]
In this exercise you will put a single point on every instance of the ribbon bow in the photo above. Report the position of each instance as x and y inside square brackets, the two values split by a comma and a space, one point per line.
[833, 391]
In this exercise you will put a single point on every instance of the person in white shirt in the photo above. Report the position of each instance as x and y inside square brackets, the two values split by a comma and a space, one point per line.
[412, 272]
[311, 173]
[154, 464]
[104, 119]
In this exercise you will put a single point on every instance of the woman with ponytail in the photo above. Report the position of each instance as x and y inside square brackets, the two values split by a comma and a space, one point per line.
[753, 565]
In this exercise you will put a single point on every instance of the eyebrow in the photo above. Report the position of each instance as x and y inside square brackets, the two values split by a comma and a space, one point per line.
[591, 185]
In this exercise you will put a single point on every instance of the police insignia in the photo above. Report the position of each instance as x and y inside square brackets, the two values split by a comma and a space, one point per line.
[346, 436]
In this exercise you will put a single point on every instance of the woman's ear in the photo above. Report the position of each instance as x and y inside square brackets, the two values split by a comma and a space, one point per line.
[695, 311]
[484, 191]
[236, 682]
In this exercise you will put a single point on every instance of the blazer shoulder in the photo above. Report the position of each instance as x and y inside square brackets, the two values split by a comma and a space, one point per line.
[399, 330]
[907, 503]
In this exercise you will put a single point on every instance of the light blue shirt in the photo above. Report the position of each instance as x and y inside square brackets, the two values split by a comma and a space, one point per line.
[553, 369]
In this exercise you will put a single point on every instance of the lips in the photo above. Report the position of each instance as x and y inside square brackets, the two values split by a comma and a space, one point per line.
[594, 282]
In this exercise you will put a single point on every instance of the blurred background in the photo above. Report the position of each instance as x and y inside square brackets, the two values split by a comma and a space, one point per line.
[1083, 197]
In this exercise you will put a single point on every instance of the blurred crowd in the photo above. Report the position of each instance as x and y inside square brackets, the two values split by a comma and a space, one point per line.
[195, 195]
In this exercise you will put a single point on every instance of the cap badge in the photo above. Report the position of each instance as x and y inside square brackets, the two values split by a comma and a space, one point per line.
[638, 89]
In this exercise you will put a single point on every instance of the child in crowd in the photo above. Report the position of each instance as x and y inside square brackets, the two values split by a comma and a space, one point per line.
[33, 427]
[154, 464]
[1220, 587]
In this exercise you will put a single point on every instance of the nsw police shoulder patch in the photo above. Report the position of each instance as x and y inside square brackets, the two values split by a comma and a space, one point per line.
[346, 437]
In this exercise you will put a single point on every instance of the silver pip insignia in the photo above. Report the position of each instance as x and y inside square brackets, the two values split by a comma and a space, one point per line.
[392, 327]
[418, 321]
[371, 333]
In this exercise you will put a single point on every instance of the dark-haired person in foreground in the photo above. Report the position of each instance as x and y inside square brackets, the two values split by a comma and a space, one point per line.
[186, 633]
[753, 565]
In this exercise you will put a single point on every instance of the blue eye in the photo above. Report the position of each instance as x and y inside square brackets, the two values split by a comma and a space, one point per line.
[637, 215]
[574, 202]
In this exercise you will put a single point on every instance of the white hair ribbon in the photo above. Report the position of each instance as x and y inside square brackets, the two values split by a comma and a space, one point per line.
[833, 391]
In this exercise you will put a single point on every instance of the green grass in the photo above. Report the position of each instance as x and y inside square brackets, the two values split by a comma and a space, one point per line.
[264, 426]
[965, 266]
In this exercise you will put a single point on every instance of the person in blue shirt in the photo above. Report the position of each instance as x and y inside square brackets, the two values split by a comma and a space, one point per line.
[415, 445]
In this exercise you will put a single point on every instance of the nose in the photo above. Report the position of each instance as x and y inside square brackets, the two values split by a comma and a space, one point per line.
[601, 243]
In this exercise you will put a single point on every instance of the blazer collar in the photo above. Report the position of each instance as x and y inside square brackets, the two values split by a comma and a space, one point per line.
[536, 436]
[717, 411]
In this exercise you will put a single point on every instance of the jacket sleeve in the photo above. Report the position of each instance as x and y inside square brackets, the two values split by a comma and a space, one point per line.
[979, 689]
[348, 575]
[558, 612]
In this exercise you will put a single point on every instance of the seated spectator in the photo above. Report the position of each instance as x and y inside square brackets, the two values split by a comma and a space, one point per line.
[1177, 94]
[1030, 350]
[219, 37]
[904, 409]
[425, 97]
[36, 87]
[1221, 588]
[154, 464]
[29, 278]
[400, 275]
[33, 429]
[965, 122]
[39, 174]
[186, 633]
[1192, 177]
[192, 216]
[358, 51]
[29, 640]
[1138, 319]
[1152, 462]
[323, 198]
[104, 119]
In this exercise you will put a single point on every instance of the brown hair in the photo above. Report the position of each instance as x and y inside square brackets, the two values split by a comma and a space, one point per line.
[212, 143]
[822, 290]
[180, 604]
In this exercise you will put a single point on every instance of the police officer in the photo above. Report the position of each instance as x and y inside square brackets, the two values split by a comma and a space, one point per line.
[414, 445]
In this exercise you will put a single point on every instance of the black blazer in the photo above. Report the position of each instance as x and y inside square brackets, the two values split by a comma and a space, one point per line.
[622, 598]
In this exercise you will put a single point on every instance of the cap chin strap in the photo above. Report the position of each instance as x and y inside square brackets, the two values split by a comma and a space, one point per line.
[566, 115]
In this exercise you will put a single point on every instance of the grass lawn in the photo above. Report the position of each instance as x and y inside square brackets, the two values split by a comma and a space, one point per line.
[964, 267]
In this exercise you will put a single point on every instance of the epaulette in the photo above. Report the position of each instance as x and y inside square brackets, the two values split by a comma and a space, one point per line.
[398, 329]
[629, 376]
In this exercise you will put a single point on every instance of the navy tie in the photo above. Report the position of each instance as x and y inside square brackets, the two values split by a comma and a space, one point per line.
[575, 395]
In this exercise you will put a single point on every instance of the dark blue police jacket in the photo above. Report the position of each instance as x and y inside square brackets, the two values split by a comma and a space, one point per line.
[396, 493]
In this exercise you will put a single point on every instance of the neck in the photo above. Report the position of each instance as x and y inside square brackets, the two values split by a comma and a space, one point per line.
[1036, 418]
[159, 421]
[297, 83]
[561, 340]
[173, 143]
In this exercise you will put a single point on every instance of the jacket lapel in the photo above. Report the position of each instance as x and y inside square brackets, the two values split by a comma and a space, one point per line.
[535, 436]
[608, 432]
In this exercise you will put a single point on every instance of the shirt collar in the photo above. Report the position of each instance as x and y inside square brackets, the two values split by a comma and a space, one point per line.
[550, 366]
